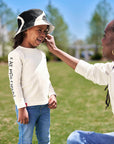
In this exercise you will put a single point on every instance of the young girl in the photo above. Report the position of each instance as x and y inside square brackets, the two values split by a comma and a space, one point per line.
[32, 91]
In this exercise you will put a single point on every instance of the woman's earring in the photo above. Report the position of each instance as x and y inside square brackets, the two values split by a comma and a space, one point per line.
[112, 52]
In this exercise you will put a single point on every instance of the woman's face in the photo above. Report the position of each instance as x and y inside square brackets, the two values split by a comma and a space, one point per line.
[108, 42]
[35, 36]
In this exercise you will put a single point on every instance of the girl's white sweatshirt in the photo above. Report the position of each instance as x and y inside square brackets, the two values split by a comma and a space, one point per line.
[29, 77]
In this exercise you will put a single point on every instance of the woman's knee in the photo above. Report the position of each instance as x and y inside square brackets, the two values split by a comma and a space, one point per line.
[74, 138]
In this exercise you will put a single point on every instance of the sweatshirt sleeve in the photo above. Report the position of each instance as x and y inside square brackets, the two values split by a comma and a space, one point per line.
[15, 70]
[51, 89]
[97, 73]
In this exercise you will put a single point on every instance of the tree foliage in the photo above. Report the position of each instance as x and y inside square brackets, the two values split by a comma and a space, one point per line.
[98, 22]
[61, 29]
[7, 16]
[7, 25]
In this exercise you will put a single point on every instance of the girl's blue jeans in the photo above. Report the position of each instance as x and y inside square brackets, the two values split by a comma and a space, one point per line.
[39, 118]
[87, 137]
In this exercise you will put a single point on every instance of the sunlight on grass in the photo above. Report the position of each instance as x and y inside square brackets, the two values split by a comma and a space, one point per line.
[80, 106]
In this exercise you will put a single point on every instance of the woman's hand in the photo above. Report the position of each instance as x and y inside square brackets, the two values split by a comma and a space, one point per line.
[23, 115]
[50, 43]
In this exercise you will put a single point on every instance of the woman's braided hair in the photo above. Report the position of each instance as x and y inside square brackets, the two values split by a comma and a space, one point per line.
[107, 101]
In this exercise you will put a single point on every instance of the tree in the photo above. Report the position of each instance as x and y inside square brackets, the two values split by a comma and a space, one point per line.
[98, 22]
[61, 29]
[7, 24]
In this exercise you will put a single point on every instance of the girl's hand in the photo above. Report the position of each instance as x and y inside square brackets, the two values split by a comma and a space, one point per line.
[23, 115]
[52, 103]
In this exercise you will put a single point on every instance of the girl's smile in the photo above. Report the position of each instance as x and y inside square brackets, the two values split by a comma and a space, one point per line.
[35, 36]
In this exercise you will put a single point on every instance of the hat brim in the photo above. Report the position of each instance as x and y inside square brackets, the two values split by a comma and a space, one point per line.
[42, 22]
[39, 23]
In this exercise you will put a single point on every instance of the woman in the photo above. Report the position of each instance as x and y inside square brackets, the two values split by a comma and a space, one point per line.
[100, 73]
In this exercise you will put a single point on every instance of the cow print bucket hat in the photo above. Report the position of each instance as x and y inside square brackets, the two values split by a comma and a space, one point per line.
[31, 18]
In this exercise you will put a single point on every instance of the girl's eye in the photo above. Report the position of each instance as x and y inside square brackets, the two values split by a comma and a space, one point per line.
[39, 30]
[104, 35]
[46, 31]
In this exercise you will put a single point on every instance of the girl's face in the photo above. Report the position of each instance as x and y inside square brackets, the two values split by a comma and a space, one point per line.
[108, 42]
[35, 36]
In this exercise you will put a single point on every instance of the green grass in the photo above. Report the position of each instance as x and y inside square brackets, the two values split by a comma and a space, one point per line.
[80, 106]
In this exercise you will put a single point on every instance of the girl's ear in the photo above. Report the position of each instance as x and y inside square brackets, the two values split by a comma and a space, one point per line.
[25, 32]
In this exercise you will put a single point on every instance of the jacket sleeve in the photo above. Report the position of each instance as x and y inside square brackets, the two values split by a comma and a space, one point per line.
[15, 75]
[97, 73]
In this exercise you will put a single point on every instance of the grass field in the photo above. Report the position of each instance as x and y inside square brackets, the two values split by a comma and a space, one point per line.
[80, 106]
